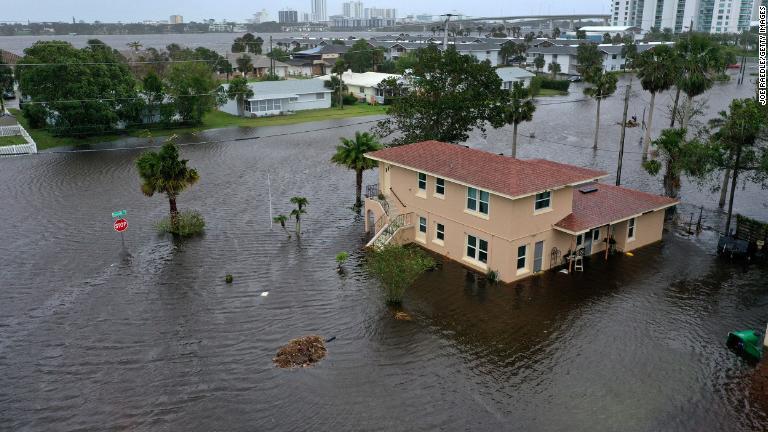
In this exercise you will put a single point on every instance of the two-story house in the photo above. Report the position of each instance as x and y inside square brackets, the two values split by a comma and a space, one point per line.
[493, 212]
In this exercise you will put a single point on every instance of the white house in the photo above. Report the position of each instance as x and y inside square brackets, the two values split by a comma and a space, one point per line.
[565, 56]
[509, 75]
[364, 86]
[282, 97]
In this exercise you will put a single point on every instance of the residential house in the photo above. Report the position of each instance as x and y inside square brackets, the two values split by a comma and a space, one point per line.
[565, 56]
[493, 212]
[282, 97]
[261, 64]
[364, 86]
[306, 67]
[509, 75]
[326, 52]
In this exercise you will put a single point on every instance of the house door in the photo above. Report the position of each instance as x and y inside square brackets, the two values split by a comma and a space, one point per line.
[588, 243]
[538, 256]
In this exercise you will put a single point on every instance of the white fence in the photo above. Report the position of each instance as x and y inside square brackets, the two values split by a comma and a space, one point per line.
[18, 149]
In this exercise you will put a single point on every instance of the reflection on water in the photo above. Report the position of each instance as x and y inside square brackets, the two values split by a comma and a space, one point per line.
[89, 340]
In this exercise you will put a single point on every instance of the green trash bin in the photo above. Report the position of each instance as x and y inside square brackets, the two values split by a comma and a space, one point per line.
[746, 343]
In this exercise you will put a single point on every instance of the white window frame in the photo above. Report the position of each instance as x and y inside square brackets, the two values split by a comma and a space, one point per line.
[478, 202]
[438, 233]
[476, 246]
[538, 198]
[421, 191]
[438, 185]
[524, 258]
[632, 228]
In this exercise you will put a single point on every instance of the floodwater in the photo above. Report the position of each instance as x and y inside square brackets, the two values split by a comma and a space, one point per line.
[90, 340]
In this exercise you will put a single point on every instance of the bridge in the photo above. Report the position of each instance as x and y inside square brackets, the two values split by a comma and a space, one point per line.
[536, 18]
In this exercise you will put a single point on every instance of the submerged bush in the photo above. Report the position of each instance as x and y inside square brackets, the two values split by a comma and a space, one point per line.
[398, 267]
[228, 279]
[188, 223]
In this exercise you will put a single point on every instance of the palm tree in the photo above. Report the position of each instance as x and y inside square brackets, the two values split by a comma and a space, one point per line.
[296, 213]
[508, 50]
[282, 219]
[135, 45]
[479, 30]
[556, 32]
[351, 154]
[520, 109]
[603, 85]
[554, 67]
[239, 90]
[339, 68]
[164, 172]
[699, 57]
[657, 73]
[244, 64]
[539, 62]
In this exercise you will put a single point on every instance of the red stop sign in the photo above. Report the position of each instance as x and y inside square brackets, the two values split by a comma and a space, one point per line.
[121, 225]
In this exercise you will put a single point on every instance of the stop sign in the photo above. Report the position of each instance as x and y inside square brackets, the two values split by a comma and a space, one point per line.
[120, 225]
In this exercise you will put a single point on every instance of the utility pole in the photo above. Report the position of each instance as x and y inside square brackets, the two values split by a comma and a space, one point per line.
[445, 31]
[271, 59]
[623, 132]
[734, 182]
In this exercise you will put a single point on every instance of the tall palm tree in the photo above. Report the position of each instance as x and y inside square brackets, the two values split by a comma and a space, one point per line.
[520, 109]
[240, 91]
[339, 68]
[507, 51]
[135, 45]
[351, 154]
[164, 172]
[699, 57]
[244, 64]
[296, 213]
[603, 85]
[657, 71]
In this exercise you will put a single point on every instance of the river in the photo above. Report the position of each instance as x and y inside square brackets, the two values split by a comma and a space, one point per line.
[90, 340]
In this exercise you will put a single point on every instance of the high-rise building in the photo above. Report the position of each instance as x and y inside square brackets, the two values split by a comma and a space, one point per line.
[319, 11]
[711, 16]
[288, 16]
[176, 19]
[306, 17]
[352, 9]
[383, 13]
[261, 17]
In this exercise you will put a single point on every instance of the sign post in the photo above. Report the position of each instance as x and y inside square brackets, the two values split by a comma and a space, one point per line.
[120, 224]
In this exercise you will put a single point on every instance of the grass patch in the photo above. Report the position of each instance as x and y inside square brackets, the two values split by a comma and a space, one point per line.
[212, 120]
[550, 92]
[12, 140]
[190, 223]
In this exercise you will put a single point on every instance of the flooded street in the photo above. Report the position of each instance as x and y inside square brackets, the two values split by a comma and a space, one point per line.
[92, 341]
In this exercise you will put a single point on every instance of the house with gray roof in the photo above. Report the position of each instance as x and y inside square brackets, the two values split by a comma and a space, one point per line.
[510, 75]
[282, 97]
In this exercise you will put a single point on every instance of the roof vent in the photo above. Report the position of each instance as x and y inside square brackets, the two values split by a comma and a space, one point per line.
[588, 189]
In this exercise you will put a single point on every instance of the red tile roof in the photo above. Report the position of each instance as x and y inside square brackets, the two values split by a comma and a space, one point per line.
[609, 204]
[500, 174]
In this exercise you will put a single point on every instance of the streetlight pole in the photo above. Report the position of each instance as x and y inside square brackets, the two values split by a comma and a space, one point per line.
[623, 133]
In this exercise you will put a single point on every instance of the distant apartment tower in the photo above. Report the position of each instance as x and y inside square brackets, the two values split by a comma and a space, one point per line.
[710, 16]
[383, 13]
[306, 17]
[288, 16]
[176, 19]
[261, 17]
[319, 11]
[352, 9]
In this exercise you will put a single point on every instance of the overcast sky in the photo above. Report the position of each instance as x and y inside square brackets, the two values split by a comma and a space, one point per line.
[239, 10]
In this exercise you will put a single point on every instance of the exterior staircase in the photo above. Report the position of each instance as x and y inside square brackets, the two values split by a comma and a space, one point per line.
[395, 221]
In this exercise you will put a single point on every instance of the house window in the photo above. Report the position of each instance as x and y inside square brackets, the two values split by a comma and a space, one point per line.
[440, 186]
[596, 235]
[579, 240]
[477, 200]
[543, 200]
[422, 225]
[521, 252]
[440, 232]
[477, 249]
[631, 229]
[247, 105]
[422, 182]
[319, 96]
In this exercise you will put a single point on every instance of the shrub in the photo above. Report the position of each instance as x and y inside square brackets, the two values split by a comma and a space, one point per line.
[188, 223]
[492, 276]
[228, 279]
[552, 84]
[349, 99]
[397, 267]
[35, 114]
[341, 258]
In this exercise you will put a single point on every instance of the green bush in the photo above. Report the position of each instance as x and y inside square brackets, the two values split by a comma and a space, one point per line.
[188, 224]
[552, 84]
[349, 99]
[35, 114]
[398, 267]
[228, 279]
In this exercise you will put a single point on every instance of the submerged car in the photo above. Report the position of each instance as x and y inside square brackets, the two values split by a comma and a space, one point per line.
[9, 94]
[575, 78]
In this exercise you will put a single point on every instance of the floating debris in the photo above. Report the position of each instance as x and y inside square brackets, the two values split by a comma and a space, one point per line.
[630, 254]
[402, 316]
[265, 293]
[228, 278]
[301, 352]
